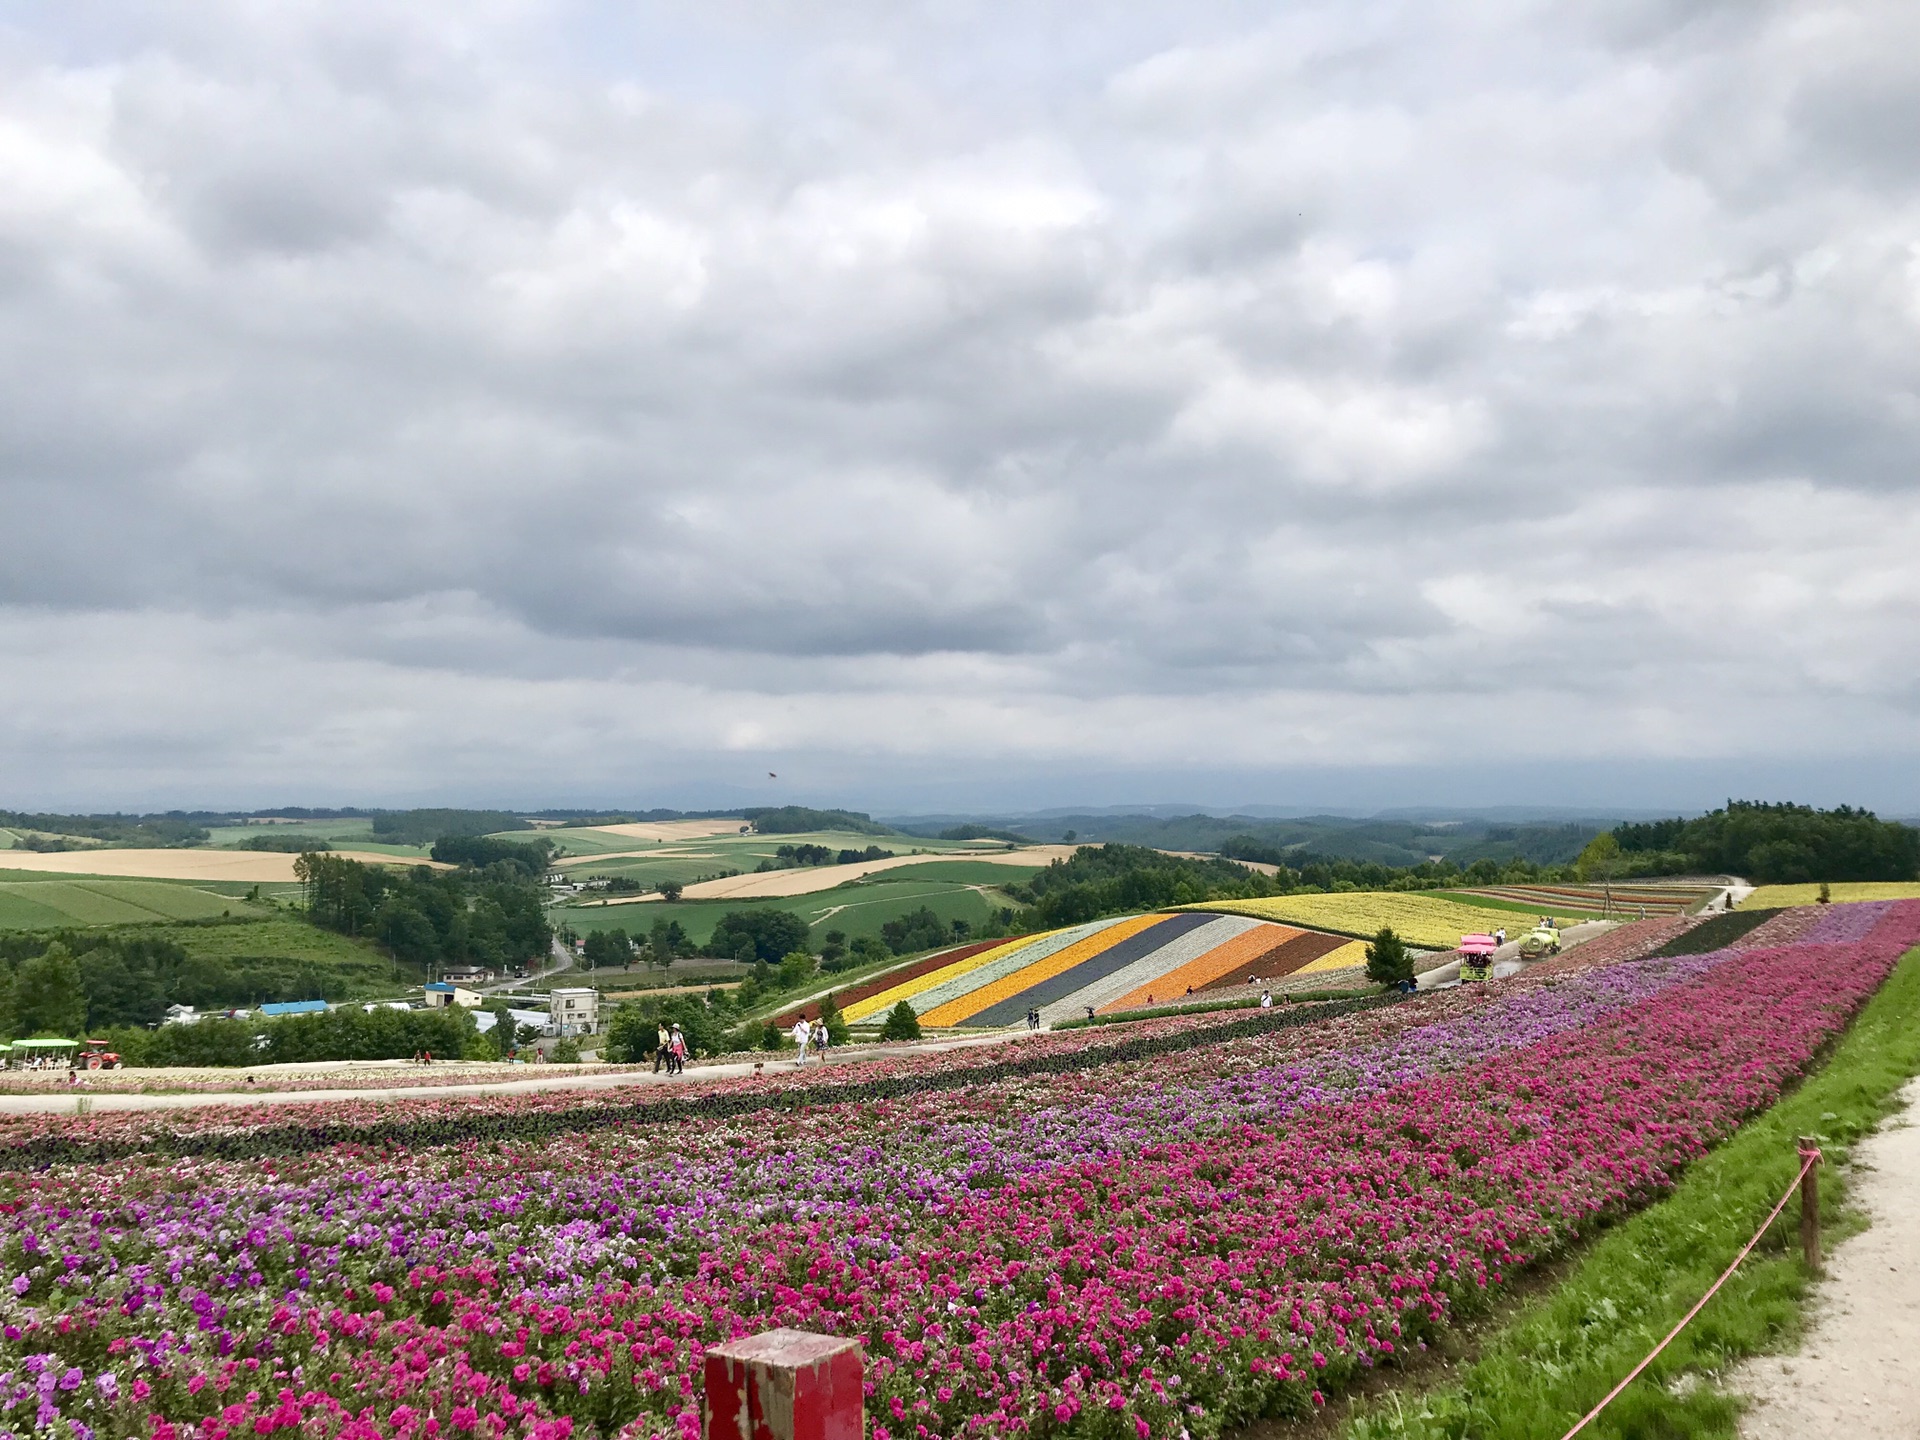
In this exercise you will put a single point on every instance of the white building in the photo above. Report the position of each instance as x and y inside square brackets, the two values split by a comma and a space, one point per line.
[574, 1011]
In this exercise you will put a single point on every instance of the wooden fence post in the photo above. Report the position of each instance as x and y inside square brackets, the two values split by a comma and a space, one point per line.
[785, 1385]
[1810, 1204]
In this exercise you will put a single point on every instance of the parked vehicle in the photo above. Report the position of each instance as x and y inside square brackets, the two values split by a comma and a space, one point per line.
[96, 1056]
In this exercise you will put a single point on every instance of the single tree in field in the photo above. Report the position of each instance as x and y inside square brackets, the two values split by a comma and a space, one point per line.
[670, 890]
[1388, 962]
[902, 1023]
[1601, 861]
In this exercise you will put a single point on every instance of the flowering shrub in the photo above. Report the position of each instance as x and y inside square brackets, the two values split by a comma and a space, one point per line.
[1114, 1241]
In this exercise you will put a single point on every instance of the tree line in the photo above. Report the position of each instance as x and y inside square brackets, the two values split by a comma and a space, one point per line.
[1773, 843]
[488, 915]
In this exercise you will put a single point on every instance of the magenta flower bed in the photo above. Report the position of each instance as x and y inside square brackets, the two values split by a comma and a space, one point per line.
[1133, 1249]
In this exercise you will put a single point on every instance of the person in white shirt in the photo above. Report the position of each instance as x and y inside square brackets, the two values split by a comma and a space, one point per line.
[802, 1034]
[1266, 1000]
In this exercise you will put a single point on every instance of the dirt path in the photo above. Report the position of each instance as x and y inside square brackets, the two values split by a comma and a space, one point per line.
[1855, 1374]
[522, 1079]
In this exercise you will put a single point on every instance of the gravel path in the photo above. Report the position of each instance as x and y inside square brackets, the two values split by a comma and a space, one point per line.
[1855, 1375]
[545, 1077]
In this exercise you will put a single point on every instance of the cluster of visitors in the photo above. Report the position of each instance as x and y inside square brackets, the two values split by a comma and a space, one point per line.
[670, 1050]
[422, 1057]
[812, 1035]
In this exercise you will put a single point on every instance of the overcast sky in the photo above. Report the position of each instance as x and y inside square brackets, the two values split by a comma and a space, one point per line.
[959, 405]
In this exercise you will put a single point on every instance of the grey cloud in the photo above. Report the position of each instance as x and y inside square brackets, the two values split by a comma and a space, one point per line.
[783, 379]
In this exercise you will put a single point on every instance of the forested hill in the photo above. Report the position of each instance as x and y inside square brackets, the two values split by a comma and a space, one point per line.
[1395, 842]
[1773, 843]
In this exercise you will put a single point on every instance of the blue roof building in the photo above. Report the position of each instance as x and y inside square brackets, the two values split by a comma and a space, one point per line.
[295, 1007]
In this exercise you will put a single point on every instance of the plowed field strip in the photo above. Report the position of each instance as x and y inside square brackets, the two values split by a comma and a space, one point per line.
[1005, 962]
[1245, 948]
[853, 994]
[907, 989]
[1305, 947]
[962, 1010]
[1048, 989]
[1167, 954]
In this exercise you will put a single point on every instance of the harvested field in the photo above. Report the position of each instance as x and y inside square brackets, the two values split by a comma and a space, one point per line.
[673, 829]
[1245, 951]
[246, 866]
[811, 879]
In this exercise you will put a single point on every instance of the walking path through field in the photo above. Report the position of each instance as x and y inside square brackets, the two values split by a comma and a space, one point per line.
[1855, 1375]
[62, 1100]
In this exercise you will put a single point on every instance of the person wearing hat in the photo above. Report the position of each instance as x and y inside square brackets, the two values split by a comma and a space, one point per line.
[676, 1052]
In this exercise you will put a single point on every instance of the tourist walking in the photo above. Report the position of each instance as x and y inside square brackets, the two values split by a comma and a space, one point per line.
[661, 1055]
[803, 1037]
[1266, 999]
[821, 1039]
[676, 1052]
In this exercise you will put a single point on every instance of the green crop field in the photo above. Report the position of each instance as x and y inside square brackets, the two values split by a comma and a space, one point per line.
[689, 860]
[352, 834]
[856, 909]
[8, 839]
[283, 958]
[53, 901]
[958, 872]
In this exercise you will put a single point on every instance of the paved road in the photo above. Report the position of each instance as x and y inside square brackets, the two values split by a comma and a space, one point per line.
[56, 1102]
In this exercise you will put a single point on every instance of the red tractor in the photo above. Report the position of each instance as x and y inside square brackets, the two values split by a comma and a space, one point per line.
[96, 1056]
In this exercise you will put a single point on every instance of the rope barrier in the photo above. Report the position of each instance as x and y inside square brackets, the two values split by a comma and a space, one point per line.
[1809, 1157]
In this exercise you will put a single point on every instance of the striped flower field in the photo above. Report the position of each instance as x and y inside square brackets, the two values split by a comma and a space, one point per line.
[1161, 1233]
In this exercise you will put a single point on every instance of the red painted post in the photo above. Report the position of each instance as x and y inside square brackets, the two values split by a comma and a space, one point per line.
[785, 1385]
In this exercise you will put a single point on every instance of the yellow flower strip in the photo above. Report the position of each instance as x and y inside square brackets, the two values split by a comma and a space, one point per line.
[1427, 921]
[1842, 892]
[1353, 953]
[958, 1012]
[907, 989]
[1204, 969]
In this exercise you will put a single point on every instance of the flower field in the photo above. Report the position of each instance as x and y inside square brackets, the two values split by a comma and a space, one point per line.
[1429, 921]
[1844, 891]
[1210, 1219]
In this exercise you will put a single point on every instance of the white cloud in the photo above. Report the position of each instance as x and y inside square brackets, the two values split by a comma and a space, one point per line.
[558, 399]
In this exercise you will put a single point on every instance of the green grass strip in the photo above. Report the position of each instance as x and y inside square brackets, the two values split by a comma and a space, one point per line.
[1554, 1362]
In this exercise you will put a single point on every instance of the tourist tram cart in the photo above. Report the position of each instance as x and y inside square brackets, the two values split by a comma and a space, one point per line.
[1476, 957]
[43, 1053]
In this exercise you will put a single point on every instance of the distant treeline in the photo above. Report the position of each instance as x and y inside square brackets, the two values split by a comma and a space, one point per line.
[142, 831]
[348, 1033]
[60, 982]
[1773, 843]
[423, 827]
[798, 819]
[1397, 843]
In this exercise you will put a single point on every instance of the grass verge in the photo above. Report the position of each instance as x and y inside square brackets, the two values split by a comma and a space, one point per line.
[1541, 1373]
